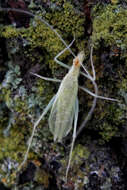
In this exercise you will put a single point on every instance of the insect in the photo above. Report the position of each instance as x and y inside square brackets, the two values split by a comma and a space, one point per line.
[64, 105]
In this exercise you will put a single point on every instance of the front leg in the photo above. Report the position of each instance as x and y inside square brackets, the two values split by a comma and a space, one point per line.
[59, 54]
[46, 78]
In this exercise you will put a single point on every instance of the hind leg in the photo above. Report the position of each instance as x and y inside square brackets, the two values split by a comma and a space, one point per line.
[74, 136]
[34, 128]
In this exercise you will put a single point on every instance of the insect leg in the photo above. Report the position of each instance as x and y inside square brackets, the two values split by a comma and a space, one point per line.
[57, 61]
[74, 135]
[92, 65]
[83, 124]
[88, 75]
[34, 128]
[93, 106]
[91, 61]
[84, 89]
[97, 96]
[46, 78]
[93, 81]
[59, 54]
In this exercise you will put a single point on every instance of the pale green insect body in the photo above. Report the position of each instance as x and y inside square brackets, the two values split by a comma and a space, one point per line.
[63, 109]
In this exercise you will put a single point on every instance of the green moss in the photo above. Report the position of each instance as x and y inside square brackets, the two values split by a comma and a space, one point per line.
[12, 145]
[107, 131]
[42, 177]
[9, 32]
[123, 84]
[80, 152]
[38, 36]
[45, 90]
[109, 26]
[111, 122]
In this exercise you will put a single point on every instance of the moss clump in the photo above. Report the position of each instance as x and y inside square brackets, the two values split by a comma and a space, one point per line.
[107, 132]
[123, 84]
[109, 26]
[9, 32]
[40, 38]
[13, 149]
[80, 152]
[80, 156]
[42, 177]
[13, 145]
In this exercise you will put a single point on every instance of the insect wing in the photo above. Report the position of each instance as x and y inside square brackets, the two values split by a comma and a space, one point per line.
[62, 112]
[61, 119]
